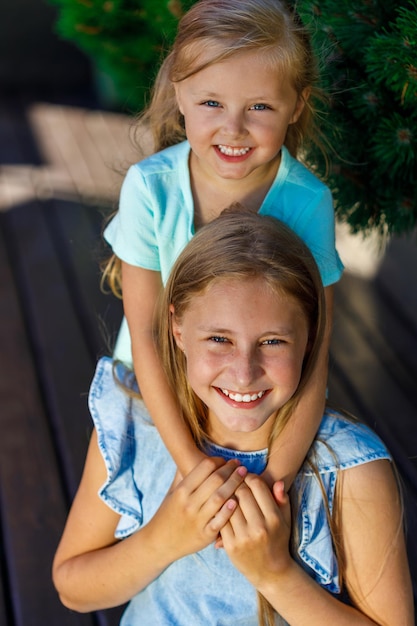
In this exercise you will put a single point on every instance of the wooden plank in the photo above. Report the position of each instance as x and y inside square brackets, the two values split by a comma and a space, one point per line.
[86, 148]
[382, 326]
[397, 279]
[370, 366]
[33, 507]
[77, 232]
[62, 359]
[5, 609]
[372, 373]
[119, 139]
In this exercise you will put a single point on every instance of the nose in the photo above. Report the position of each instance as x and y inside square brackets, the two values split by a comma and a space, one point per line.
[234, 124]
[246, 369]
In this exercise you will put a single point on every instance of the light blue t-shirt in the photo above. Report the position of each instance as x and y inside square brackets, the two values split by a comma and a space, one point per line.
[155, 220]
[205, 588]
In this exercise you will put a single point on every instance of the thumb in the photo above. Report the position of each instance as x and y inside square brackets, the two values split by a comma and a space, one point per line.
[278, 490]
[282, 500]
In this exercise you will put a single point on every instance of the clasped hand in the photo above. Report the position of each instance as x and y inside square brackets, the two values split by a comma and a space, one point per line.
[220, 502]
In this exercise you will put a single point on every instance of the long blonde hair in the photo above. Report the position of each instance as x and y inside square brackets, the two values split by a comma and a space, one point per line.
[223, 28]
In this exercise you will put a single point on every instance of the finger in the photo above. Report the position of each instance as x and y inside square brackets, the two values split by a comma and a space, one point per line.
[278, 490]
[275, 515]
[227, 534]
[222, 516]
[283, 501]
[261, 494]
[201, 472]
[220, 487]
[238, 523]
[195, 484]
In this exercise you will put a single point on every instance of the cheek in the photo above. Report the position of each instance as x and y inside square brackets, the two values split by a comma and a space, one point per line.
[178, 98]
[203, 367]
[288, 370]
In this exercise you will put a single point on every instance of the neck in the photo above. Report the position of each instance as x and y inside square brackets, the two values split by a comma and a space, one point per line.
[211, 194]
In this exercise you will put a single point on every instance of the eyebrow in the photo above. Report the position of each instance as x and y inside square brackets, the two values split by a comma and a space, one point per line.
[283, 332]
[210, 95]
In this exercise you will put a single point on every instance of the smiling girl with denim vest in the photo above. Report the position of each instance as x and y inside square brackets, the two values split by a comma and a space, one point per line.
[241, 324]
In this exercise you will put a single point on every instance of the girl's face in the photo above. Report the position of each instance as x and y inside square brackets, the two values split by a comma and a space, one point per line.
[244, 346]
[236, 113]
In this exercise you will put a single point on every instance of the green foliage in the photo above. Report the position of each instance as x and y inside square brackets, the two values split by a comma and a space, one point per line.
[370, 72]
[126, 39]
[369, 52]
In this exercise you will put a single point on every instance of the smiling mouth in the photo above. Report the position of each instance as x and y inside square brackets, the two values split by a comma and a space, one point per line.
[245, 397]
[230, 151]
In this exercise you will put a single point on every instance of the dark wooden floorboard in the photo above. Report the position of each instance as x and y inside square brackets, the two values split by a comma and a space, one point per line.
[63, 362]
[77, 233]
[50, 342]
[373, 369]
[33, 506]
[366, 348]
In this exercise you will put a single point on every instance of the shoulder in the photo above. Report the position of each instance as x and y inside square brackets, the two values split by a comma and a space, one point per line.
[117, 414]
[298, 197]
[129, 445]
[111, 379]
[298, 175]
[156, 177]
[169, 160]
[342, 443]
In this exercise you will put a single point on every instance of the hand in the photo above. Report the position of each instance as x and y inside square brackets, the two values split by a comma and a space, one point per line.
[190, 461]
[196, 509]
[256, 537]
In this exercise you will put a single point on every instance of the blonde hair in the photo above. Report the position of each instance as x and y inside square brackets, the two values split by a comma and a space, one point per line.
[243, 245]
[214, 30]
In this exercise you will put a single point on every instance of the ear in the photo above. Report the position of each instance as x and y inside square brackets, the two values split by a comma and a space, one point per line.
[301, 102]
[176, 328]
[177, 88]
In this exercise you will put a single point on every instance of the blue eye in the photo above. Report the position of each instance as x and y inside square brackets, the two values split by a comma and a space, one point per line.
[217, 339]
[259, 107]
[211, 103]
[272, 342]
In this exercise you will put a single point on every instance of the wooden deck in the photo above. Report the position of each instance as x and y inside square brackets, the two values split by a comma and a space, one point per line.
[60, 172]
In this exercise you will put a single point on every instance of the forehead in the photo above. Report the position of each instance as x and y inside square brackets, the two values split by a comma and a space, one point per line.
[245, 308]
[204, 53]
[233, 296]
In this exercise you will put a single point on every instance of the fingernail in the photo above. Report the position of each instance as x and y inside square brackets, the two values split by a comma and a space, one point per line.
[242, 471]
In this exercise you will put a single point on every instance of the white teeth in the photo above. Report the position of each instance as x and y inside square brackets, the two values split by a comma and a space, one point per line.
[247, 397]
[229, 151]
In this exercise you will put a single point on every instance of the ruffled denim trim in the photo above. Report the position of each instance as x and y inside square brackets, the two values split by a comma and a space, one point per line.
[111, 410]
[341, 444]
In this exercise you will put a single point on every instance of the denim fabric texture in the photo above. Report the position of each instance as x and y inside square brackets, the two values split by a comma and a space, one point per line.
[205, 588]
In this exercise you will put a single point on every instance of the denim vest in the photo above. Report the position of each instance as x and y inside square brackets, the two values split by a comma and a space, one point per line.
[205, 588]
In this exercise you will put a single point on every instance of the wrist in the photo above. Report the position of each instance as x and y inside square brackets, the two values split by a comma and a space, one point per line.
[283, 580]
[190, 462]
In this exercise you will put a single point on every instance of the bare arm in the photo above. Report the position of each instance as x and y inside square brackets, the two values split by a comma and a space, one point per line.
[141, 289]
[290, 448]
[377, 574]
[92, 570]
